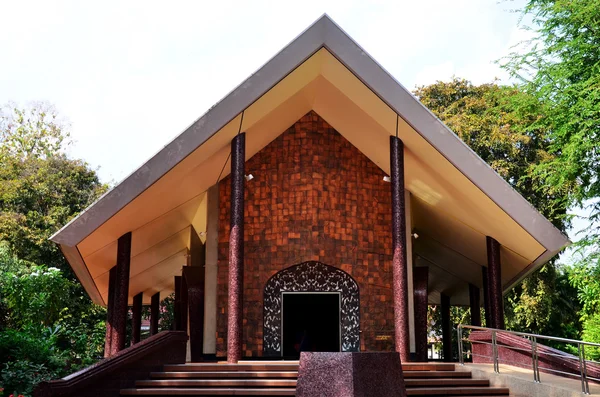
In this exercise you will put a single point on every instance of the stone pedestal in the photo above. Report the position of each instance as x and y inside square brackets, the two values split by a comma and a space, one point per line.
[350, 375]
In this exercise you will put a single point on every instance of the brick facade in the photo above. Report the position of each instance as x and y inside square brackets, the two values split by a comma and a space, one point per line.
[316, 197]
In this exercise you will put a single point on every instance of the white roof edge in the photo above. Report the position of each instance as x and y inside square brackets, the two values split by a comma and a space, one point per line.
[323, 33]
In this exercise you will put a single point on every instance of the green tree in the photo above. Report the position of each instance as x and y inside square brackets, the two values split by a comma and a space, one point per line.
[560, 66]
[48, 325]
[507, 128]
[41, 189]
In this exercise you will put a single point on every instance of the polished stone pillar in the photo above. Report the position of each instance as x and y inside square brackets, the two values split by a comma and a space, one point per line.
[121, 307]
[475, 305]
[154, 309]
[486, 297]
[399, 262]
[177, 305]
[236, 250]
[420, 280]
[110, 308]
[136, 318]
[446, 328]
[495, 283]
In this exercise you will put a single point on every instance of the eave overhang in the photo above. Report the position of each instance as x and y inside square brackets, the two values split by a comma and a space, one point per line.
[324, 70]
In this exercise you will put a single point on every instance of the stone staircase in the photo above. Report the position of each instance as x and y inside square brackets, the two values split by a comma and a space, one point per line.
[278, 378]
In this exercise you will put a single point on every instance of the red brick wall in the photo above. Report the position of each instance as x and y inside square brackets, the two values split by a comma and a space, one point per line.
[314, 196]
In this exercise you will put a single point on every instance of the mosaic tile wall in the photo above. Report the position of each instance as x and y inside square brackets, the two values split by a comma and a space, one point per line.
[314, 197]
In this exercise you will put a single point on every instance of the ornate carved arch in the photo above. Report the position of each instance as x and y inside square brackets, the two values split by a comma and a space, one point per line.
[311, 277]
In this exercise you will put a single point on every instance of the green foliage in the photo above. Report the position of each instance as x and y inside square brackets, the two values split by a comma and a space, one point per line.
[591, 333]
[35, 131]
[544, 303]
[48, 325]
[505, 127]
[41, 189]
[561, 67]
[20, 377]
[36, 297]
[508, 129]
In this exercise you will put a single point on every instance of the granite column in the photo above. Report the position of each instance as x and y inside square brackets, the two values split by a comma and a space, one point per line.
[236, 250]
[121, 306]
[399, 261]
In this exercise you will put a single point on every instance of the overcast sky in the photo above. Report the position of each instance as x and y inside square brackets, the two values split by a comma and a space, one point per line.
[131, 75]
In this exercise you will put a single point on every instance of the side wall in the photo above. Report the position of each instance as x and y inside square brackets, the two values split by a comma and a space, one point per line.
[314, 196]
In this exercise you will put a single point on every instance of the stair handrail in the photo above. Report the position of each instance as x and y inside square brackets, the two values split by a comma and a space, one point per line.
[534, 351]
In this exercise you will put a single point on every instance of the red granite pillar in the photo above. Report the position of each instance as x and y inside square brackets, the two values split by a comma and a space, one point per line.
[121, 307]
[420, 281]
[236, 250]
[495, 283]
[136, 319]
[399, 263]
[177, 305]
[110, 308]
[154, 308]
[475, 305]
[486, 297]
[446, 328]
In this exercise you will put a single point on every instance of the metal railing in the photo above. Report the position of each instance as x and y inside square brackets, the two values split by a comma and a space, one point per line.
[533, 351]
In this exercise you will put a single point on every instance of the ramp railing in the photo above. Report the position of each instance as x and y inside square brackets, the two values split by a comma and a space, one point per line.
[499, 346]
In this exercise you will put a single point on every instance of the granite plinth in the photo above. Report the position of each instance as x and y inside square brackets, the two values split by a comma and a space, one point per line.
[350, 375]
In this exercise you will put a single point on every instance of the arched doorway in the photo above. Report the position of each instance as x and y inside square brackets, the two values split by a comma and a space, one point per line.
[305, 287]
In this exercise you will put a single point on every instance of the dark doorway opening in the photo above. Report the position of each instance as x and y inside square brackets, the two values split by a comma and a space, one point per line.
[311, 322]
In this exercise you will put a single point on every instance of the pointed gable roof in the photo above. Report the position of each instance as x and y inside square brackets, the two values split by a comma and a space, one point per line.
[322, 69]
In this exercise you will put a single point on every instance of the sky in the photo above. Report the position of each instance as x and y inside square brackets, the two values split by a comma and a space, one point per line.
[130, 76]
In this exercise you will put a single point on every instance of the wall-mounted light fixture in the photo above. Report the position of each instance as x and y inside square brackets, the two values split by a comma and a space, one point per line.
[249, 177]
[415, 235]
[387, 179]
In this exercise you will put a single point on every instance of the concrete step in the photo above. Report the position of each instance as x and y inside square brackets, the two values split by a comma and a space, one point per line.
[164, 392]
[229, 383]
[227, 374]
[446, 382]
[435, 374]
[285, 366]
[201, 367]
[458, 391]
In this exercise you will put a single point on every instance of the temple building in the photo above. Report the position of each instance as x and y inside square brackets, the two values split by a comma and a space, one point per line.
[317, 207]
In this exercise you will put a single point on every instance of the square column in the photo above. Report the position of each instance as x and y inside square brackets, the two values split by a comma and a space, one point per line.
[154, 308]
[121, 307]
[421, 279]
[194, 279]
[236, 250]
[136, 319]
[495, 283]
[475, 305]
[177, 305]
[486, 297]
[399, 261]
[446, 328]
[110, 308]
